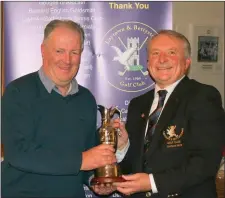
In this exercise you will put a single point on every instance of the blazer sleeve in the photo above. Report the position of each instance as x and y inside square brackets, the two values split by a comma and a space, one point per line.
[132, 158]
[205, 126]
[21, 151]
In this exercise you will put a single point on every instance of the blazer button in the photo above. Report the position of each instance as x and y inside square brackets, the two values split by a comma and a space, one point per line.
[148, 194]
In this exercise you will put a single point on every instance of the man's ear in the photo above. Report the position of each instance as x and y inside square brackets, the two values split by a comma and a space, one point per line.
[187, 63]
[42, 50]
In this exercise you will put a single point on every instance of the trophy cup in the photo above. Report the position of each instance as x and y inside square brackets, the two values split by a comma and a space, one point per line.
[108, 135]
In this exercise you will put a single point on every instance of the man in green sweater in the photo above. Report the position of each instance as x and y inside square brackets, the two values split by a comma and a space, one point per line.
[49, 123]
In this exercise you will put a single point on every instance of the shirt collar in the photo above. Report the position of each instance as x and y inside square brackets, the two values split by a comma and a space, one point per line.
[170, 88]
[50, 85]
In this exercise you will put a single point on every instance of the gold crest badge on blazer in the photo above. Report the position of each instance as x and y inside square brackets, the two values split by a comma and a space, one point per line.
[173, 137]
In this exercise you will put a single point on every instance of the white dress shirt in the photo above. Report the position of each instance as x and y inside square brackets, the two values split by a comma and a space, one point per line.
[121, 154]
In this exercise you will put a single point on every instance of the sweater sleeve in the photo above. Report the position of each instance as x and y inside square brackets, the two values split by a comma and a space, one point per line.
[92, 141]
[21, 150]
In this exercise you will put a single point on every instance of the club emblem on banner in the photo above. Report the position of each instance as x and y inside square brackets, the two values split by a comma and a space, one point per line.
[129, 58]
[124, 57]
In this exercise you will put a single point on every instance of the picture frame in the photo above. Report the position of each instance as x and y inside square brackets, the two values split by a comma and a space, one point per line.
[208, 47]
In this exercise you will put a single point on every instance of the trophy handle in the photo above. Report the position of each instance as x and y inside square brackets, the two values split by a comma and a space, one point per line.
[101, 110]
[113, 111]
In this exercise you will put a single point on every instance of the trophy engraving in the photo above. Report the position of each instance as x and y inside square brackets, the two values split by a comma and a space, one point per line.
[108, 135]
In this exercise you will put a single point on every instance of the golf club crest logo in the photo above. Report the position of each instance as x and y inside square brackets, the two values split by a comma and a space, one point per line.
[130, 57]
[173, 137]
[123, 50]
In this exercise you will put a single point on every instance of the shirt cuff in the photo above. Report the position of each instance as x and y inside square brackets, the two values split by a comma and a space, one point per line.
[120, 154]
[153, 185]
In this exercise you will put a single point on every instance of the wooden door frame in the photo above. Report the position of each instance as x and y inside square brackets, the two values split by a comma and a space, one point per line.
[2, 62]
[2, 50]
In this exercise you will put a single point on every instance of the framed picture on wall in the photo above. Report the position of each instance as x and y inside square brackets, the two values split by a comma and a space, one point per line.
[208, 48]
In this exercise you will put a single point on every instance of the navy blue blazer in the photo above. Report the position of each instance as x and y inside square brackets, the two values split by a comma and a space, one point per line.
[186, 147]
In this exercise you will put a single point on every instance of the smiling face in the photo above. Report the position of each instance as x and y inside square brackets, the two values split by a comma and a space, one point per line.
[166, 59]
[61, 53]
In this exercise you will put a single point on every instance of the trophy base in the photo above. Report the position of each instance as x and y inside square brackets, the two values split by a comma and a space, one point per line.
[106, 180]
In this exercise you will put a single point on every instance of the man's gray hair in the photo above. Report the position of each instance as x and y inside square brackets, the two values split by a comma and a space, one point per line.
[187, 46]
[66, 23]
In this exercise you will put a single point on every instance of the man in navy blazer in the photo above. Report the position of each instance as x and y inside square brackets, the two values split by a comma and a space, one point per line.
[185, 150]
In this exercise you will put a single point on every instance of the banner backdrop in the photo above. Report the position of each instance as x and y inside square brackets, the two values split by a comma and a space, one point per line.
[114, 59]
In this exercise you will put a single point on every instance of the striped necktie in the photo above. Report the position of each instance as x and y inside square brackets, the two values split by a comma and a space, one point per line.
[153, 118]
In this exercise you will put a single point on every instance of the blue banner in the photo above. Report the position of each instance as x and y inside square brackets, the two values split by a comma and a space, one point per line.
[113, 64]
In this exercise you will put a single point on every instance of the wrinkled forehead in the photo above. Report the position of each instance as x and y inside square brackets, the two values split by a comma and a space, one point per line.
[164, 39]
[64, 31]
[64, 37]
[164, 42]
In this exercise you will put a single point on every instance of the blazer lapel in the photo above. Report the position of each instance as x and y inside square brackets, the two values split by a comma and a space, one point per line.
[169, 111]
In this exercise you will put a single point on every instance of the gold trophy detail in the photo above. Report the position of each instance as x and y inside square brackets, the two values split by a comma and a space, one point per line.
[108, 135]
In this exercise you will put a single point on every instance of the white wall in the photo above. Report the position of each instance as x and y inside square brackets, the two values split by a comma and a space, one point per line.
[187, 15]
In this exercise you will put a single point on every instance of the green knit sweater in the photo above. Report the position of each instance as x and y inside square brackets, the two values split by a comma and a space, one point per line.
[44, 136]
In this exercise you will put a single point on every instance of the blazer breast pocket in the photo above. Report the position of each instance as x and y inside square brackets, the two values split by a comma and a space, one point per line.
[172, 138]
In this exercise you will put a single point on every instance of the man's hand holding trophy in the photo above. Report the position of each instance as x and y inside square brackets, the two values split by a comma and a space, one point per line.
[112, 132]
